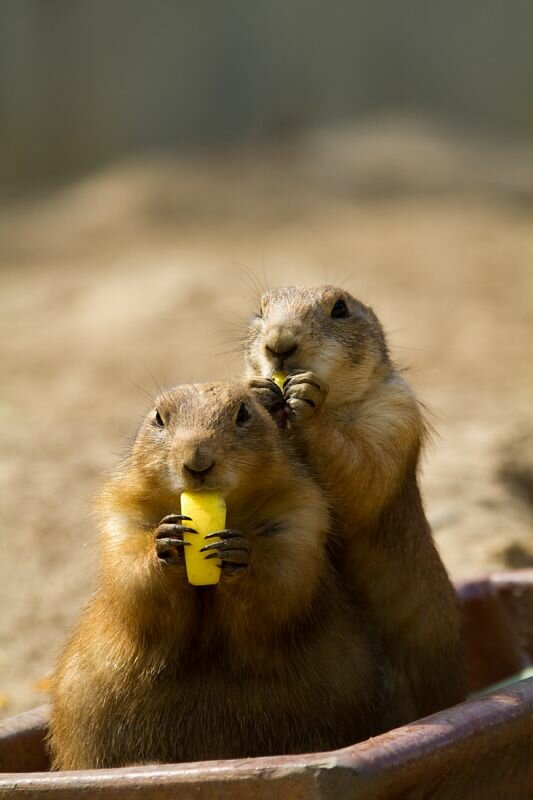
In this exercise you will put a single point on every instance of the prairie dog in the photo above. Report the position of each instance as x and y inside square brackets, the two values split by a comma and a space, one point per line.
[270, 660]
[358, 425]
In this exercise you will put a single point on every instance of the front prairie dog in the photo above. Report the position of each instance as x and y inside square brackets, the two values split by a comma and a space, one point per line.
[270, 660]
[360, 428]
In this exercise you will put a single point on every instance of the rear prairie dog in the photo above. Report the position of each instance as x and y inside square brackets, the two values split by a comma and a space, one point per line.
[269, 660]
[359, 427]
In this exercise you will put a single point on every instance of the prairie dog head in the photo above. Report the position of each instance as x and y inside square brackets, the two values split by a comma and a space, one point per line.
[324, 330]
[205, 436]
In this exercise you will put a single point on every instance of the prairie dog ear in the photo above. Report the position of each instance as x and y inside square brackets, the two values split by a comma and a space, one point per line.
[268, 394]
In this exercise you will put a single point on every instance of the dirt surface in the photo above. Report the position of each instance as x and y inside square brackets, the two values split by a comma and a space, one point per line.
[144, 275]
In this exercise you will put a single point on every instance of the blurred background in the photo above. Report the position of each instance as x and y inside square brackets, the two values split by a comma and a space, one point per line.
[162, 162]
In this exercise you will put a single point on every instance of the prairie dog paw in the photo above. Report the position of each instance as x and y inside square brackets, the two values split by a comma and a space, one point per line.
[233, 550]
[270, 396]
[169, 542]
[304, 394]
[266, 391]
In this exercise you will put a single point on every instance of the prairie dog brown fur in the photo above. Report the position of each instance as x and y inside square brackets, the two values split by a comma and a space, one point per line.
[270, 660]
[358, 425]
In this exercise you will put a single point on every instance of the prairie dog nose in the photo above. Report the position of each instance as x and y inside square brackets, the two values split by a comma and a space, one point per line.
[281, 341]
[198, 462]
[199, 473]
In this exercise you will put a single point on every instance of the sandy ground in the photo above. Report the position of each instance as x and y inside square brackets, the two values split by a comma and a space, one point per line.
[144, 274]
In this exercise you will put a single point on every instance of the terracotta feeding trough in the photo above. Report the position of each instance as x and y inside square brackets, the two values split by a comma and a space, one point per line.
[480, 749]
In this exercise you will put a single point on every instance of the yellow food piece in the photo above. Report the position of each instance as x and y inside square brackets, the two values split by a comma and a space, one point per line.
[207, 511]
[279, 378]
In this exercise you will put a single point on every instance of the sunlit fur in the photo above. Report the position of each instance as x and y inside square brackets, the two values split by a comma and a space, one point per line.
[270, 662]
[364, 444]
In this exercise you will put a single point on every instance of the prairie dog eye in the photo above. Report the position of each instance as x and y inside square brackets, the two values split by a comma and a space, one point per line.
[159, 422]
[340, 310]
[243, 415]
